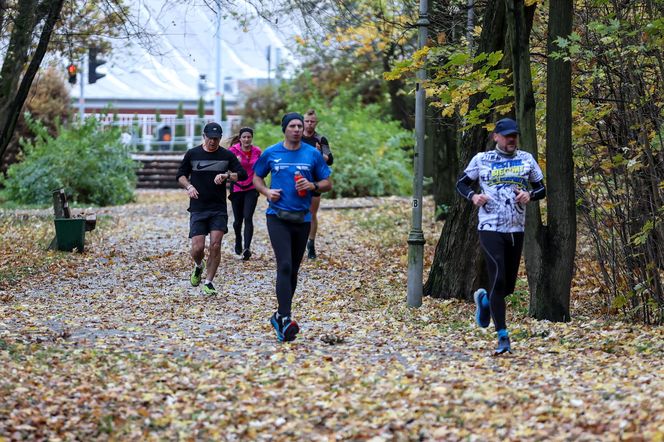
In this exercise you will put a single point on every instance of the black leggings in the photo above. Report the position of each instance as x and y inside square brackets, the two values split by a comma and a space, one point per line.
[289, 240]
[503, 255]
[244, 205]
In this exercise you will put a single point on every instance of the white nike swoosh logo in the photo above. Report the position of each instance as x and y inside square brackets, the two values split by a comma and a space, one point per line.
[277, 160]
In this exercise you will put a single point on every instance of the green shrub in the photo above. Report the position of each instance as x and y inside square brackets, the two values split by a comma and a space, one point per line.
[264, 104]
[200, 113]
[372, 154]
[180, 131]
[89, 162]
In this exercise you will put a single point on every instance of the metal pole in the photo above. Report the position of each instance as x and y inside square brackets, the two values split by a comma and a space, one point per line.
[81, 95]
[416, 236]
[269, 63]
[277, 65]
[470, 24]
[217, 67]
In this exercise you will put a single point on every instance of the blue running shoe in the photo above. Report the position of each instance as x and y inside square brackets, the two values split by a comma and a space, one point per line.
[503, 346]
[285, 327]
[482, 309]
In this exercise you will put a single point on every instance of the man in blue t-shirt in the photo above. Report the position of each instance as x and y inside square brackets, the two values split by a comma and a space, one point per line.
[297, 170]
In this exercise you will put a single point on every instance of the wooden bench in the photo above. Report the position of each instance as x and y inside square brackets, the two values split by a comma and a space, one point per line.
[61, 210]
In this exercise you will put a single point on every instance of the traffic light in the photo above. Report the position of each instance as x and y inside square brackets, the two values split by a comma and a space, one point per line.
[72, 70]
[93, 64]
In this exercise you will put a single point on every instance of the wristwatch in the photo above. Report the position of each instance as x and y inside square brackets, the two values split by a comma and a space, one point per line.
[315, 187]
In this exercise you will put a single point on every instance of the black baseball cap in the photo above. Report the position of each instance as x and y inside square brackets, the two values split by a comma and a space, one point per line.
[212, 130]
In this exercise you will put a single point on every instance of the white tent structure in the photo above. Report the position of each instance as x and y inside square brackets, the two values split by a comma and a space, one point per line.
[177, 63]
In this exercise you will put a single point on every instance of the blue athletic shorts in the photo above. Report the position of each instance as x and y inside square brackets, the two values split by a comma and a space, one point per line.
[202, 223]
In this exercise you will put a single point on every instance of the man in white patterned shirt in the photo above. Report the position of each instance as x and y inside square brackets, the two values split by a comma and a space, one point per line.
[509, 179]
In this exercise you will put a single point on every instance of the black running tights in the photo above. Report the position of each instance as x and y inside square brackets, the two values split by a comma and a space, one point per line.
[244, 205]
[289, 241]
[503, 255]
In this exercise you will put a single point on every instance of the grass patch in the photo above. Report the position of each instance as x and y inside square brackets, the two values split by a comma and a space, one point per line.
[11, 205]
[519, 301]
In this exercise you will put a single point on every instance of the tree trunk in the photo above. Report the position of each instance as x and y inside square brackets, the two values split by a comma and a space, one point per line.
[442, 157]
[549, 250]
[401, 109]
[519, 24]
[15, 79]
[455, 271]
[3, 10]
[550, 299]
[441, 152]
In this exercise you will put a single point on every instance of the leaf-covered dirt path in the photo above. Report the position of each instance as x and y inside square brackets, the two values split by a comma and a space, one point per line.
[115, 344]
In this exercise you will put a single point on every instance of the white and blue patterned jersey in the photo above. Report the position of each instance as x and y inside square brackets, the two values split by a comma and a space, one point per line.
[500, 176]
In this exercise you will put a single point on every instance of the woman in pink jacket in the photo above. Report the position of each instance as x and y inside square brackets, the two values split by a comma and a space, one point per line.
[243, 193]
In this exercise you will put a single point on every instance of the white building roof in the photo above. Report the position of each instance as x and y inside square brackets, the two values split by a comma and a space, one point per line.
[183, 48]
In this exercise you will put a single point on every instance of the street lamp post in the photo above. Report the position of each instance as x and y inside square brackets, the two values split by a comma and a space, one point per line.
[217, 68]
[416, 236]
[81, 95]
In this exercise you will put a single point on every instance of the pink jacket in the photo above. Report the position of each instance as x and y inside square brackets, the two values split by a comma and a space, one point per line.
[247, 160]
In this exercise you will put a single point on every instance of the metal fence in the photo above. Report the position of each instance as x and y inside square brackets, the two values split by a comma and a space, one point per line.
[143, 133]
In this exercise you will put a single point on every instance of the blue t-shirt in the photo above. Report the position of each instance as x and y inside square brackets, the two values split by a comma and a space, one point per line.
[282, 164]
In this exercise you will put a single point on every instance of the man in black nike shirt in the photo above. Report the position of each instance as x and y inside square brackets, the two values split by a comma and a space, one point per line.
[203, 174]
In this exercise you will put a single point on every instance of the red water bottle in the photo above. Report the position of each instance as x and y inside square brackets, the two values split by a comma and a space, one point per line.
[298, 177]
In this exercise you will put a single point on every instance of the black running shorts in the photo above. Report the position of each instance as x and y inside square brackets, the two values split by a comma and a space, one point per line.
[202, 223]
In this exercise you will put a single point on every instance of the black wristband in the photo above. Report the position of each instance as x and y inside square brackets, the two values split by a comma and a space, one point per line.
[315, 186]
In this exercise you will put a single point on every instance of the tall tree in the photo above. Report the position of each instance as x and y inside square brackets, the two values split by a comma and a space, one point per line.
[550, 248]
[49, 103]
[455, 270]
[441, 154]
[352, 43]
[20, 66]
[63, 28]
[550, 277]
[619, 141]
[448, 25]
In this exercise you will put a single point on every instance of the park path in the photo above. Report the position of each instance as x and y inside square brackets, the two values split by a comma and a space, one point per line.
[131, 288]
[114, 343]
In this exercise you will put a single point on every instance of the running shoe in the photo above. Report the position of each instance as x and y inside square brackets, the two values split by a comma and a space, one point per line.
[246, 254]
[285, 327]
[209, 289]
[195, 278]
[503, 346]
[482, 309]
[311, 249]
